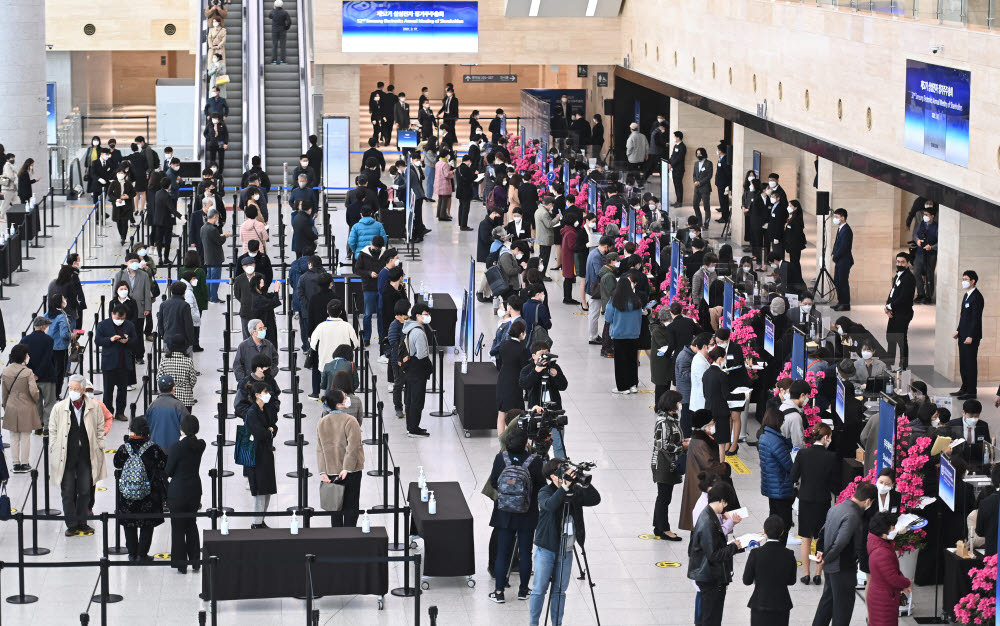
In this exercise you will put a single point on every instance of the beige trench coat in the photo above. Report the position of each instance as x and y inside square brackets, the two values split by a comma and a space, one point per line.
[59, 421]
[20, 399]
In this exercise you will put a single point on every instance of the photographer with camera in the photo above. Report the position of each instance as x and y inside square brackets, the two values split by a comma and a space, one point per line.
[569, 489]
[517, 477]
[542, 380]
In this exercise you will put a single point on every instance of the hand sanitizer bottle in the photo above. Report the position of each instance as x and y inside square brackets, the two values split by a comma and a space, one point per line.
[465, 363]
[421, 479]
[430, 300]
[423, 493]
[224, 527]
[295, 523]
[366, 524]
[432, 504]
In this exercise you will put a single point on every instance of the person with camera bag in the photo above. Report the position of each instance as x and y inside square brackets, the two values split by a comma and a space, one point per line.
[517, 477]
[542, 379]
[669, 446]
[557, 534]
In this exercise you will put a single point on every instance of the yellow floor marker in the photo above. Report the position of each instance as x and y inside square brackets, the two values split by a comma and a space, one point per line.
[738, 466]
[668, 564]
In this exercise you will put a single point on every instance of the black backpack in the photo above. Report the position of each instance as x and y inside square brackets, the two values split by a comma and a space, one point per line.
[287, 22]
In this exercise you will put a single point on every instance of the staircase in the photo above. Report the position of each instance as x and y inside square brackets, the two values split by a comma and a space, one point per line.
[282, 115]
[234, 93]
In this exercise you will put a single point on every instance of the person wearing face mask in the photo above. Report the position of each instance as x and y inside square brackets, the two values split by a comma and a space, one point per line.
[716, 388]
[449, 111]
[816, 470]
[805, 315]
[843, 540]
[99, 175]
[427, 121]
[375, 107]
[308, 168]
[623, 315]
[216, 140]
[415, 363]
[217, 38]
[702, 454]
[636, 149]
[444, 176]
[76, 452]
[775, 448]
[914, 217]
[121, 344]
[868, 365]
[25, 181]
[971, 428]
[216, 105]
[340, 454]
[262, 421]
[969, 334]
[248, 349]
[723, 181]
[886, 582]
[703, 276]
[368, 262]
[702, 177]
[745, 277]
[121, 195]
[9, 183]
[925, 257]
[793, 242]
[843, 260]
[20, 404]
[669, 444]
[899, 310]
[139, 285]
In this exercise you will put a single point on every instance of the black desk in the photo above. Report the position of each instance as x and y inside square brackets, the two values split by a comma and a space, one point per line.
[10, 257]
[449, 547]
[444, 318]
[270, 562]
[395, 224]
[24, 219]
[957, 583]
[475, 396]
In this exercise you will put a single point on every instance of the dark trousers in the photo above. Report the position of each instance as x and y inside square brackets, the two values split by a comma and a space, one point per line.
[115, 390]
[414, 393]
[568, 288]
[418, 219]
[659, 390]
[781, 507]
[896, 330]
[686, 415]
[544, 252]
[678, 177]
[661, 509]
[316, 379]
[215, 152]
[968, 367]
[768, 618]
[795, 269]
[398, 382]
[386, 129]
[723, 202]
[713, 600]
[352, 501]
[75, 487]
[138, 540]
[842, 282]
[278, 38]
[923, 268]
[59, 358]
[463, 212]
[626, 363]
[505, 545]
[122, 225]
[607, 346]
[837, 601]
[703, 194]
[184, 539]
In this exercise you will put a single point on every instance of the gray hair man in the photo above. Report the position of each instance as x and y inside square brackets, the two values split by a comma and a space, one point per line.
[256, 343]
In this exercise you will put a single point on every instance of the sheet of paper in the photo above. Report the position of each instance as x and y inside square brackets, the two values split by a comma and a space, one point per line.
[751, 540]
[742, 512]
[940, 445]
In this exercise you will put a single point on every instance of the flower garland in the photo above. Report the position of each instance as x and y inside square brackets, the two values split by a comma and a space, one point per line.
[980, 607]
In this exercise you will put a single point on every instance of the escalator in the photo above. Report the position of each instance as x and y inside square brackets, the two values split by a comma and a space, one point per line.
[282, 117]
[234, 93]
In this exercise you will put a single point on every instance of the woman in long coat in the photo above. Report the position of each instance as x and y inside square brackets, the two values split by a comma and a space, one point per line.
[886, 581]
[703, 452]
[20, 405]
[566, 256]
[139, 532]
[263, 426]
[513, 357]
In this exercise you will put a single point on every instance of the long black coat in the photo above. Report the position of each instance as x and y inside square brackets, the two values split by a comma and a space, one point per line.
[183, 462]
[716, 386]
[261, 476]
[513, 356]
[155, 461]
[484, 239]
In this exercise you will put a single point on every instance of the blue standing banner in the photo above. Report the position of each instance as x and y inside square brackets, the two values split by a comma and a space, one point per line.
[768, 335]
[728, 301]
[592, 197]
[946, 483]
[841, 399]
[887, 438]
[798, 354]
[675, 267]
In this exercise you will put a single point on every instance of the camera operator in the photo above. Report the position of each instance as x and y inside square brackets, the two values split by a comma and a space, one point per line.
[549, 535]
[544, 369]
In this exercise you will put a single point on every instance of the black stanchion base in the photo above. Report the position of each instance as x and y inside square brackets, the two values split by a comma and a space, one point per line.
[10, 285]
[442, 413]
[433, 390]
[303, 597]
[292, 443]
[370, 442]
[404, 592]
[295, 474]
[2, 298]
[933, 619]
[44, 237]
[379, 473]
[25, 599]
[111, 598]
[299, 509]
[290, 391]
[26, 258]
[35, 551]
[49, 512]
[118, 551]
[285, 368]
[397, 547]
[218, 392]
[381, 507]
[225, 443]
[227, 473]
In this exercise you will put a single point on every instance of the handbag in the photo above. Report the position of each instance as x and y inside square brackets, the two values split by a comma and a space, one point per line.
[311, 360]
[222, 80]
[244, 453]
[4, 504]
[331, 496]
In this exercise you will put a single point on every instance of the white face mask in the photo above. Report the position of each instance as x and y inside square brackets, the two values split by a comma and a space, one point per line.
[883, 488]
[304, 163]
[134, 266]
[806, 308]
[377, 99]
[750, 179]
[123, 293]
[90, 394]
[935, 422]
[518, 256]
[866, 354]
[265, 398]
[261, 333]
[302, 185]
[927, 218]
[427, 318]
[249, 269]
[96, 142]
[117, 321]
[966, 284]
[710, 429]
[774, 266]
[194, 282]
[840, 331]
[347, 403]
[214, 169]
[970, 421]
[215, 120]
[75, 395]
[517, 221]
[836, 221]
[772, 184]
[791, 210]
[121, 177]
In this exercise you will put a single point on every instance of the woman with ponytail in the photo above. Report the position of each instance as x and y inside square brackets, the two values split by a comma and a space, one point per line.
[815, 469]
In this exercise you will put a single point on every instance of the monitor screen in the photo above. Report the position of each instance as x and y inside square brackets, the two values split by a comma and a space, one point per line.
[936, 118]
[841, 398]
[798, 354]
[410, 26]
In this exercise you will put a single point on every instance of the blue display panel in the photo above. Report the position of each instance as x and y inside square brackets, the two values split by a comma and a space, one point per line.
[937, 111]
[410, 26]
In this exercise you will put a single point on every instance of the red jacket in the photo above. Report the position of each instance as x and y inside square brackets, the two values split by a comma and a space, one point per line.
[885, 583]
[568, 248]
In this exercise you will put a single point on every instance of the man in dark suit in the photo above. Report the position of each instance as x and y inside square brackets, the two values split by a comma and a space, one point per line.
[680, 331]
[723, 181]
[375, 110]
[969, 427]
[449, 110]
[899, 308]
[771, 570]
[496, 127]
[184, 494]
[805, 314]
[702, 177]
[678, 160]
[843, 260]
[969, 334]
[120, 344]
[388, 108]
[99, 175]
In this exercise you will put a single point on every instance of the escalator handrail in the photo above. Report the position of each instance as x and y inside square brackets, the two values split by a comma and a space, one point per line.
[303, 15]
[201, 79]
[253, 63]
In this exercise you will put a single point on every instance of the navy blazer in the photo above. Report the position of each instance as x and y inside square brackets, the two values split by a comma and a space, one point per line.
[842, 246]
[115, 355]
[40, 359]
[970, 320]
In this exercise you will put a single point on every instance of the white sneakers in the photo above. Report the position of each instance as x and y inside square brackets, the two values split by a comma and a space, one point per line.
[383, 359]
[616, 390]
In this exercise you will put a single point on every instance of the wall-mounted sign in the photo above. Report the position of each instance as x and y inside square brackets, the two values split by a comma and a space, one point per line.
[581, 71]
[489, 78]
[602, 79]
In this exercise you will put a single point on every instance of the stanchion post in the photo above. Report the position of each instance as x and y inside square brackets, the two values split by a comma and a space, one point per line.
[45, 475]
[117, 549]
[406, 591]
[440, 387]
[395, 546]
[21, 597]
[34, 550]
[105, 596]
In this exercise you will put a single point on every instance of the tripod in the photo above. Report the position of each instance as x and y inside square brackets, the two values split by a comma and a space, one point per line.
[823, 285]
[558, 571]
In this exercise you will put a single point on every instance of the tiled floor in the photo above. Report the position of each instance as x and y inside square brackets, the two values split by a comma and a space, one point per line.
[613, 431]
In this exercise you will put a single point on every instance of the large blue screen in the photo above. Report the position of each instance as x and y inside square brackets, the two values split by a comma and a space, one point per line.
[937, 111]
[411, 27]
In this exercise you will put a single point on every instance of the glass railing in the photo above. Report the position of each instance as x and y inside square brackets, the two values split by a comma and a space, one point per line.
[978, 14]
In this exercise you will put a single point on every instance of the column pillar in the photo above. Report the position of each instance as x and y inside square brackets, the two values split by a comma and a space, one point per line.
[701, 130]
[341, 97]
[740, 164]
[22, 81]
[965, 243]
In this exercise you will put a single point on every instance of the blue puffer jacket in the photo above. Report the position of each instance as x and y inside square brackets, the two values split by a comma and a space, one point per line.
[363, 232]
[623, 324]
[775, 465]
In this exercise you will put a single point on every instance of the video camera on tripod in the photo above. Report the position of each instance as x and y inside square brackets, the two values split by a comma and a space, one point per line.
[580, 472]
[538, 426]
